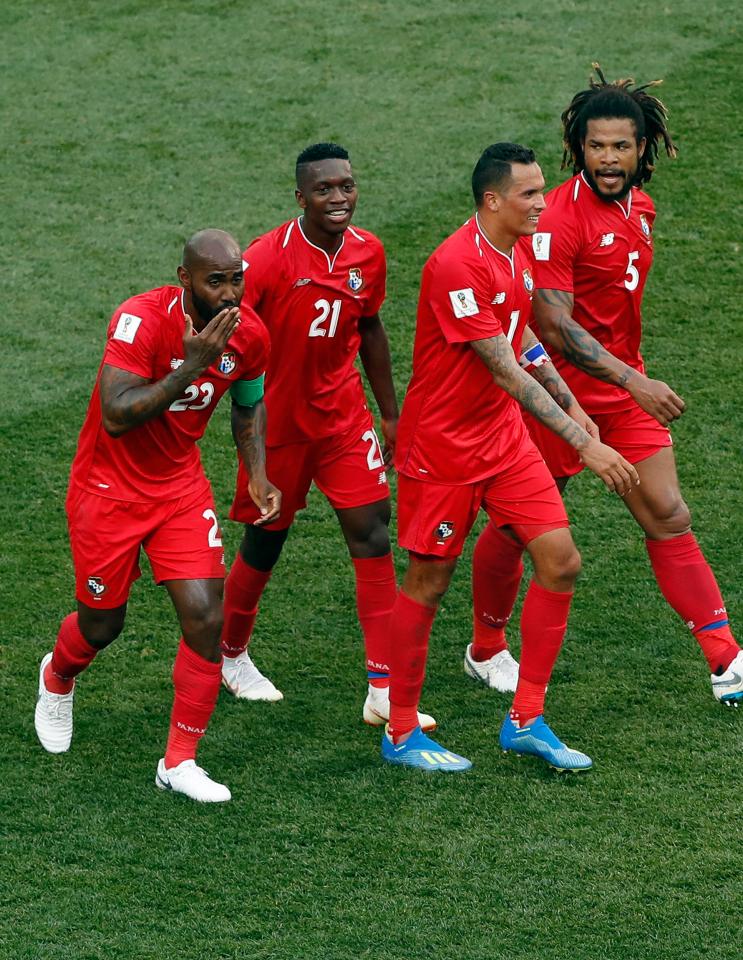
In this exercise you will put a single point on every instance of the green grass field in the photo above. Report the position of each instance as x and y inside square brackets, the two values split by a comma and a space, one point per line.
[127, 126]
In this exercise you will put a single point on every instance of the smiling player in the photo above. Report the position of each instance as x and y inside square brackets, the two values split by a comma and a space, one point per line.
[318, 284]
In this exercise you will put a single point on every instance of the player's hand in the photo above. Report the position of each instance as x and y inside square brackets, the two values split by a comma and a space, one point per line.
[617, 473]
[202, 349]
[656, 398]
[267, 498]
[389, 435]
[576, 412]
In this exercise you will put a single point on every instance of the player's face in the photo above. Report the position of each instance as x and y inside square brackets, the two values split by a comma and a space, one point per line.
[519, 206]
[215, 284]
[328, 195]
[611, 156]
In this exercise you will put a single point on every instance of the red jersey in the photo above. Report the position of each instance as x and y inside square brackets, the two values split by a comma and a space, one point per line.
[159, 459]
[311, 303]
[600, 252]
[457, 426]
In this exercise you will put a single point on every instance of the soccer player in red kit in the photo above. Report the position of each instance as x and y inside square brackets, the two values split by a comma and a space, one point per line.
[593, 252]
[318, 284]
[462, 445]
[137, 481]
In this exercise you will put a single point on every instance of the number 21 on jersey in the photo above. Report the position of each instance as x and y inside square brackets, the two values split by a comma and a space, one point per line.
[325, 310]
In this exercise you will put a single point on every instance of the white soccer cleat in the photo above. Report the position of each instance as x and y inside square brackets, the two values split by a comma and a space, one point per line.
[53, 717]
[245, 681]
[377, 710]
[728, 688]
[191, 781]
[500, 672]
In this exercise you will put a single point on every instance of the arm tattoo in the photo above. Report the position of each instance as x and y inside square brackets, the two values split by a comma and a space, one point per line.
[554, 385]
[249, 431]
[576, 344]
[497, 355]
[128, 400]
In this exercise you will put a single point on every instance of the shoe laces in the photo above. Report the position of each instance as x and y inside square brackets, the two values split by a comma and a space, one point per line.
[58, 707]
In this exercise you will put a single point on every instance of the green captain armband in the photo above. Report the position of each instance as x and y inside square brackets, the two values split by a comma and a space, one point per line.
[246, 393]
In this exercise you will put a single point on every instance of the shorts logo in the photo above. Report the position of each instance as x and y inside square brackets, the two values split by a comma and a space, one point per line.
[540, 244]
[606, 240]
[645, 225]
[499, 298]
[528, 281]
[96, 586]
[227, 362]
[444, 530]
[175, 363]
[355, 280]
[126, 328]
[464, 303]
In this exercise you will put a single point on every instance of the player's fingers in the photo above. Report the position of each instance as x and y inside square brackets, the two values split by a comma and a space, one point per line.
[592, 429]
[188, 332]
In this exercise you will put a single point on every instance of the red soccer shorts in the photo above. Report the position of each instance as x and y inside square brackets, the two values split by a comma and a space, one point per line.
[631, 432]
[434, 518]
[348, 469]
[181, 538]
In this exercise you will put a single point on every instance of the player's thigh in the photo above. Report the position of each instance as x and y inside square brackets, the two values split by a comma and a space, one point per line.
[434, 519]
[350, 471]
[187, 543]
[656, 502]
[105, 540]
[288, 467]
[562, 460]
[524, 497]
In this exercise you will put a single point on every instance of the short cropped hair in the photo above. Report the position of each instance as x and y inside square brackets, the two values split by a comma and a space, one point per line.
[493, 169]
[319, 151]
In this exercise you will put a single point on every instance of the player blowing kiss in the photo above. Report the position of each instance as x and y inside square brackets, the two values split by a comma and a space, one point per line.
[462, 445]
[318, 284]
[593, 252]
[137, 481]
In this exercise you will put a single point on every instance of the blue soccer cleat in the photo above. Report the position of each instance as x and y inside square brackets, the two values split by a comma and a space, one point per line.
[422, 752]
[536, 739]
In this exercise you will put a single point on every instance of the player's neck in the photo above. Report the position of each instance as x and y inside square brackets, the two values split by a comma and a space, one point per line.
[503, 241]
[329, 242]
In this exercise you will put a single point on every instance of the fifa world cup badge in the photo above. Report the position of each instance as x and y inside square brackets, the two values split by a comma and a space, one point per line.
[227, 363]
[355, 280]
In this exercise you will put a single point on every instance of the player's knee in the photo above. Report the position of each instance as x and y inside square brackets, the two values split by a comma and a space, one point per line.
[377, 541]
[262, 548]
[559, 568]
[202, 625]
[100, 627]
[670, 519]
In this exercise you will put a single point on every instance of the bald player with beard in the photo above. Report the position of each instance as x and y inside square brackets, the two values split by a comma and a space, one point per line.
[137, 482]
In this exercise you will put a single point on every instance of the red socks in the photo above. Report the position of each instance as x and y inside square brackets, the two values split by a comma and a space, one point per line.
[242, 591]
[544, 620]
[72, 654]
[496, 575]
[376, 592]
[196, 683]
[409, 628]
[688, 584]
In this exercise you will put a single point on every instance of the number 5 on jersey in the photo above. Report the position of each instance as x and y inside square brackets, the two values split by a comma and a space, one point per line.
[325, 309]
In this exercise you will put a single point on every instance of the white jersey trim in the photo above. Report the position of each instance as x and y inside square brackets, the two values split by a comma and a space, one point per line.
[331, 263]
[625, 211]
[287, 235]
[506, 256]
[357, 235]
[173, 303]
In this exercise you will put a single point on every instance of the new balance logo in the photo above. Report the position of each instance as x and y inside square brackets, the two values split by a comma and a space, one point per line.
[606, 240]
[174, 363]
[499, 297]
[302, 282]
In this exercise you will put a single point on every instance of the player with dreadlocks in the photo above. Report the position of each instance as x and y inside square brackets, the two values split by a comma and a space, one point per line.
[593, 251]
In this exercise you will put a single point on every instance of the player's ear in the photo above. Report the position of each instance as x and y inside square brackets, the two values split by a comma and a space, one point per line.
[300, 198]
[641, 147]
[490, 200]
[185, 278]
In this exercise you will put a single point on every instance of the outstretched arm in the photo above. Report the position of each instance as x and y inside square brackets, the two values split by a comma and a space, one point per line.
[497, 355]
[553, 310]
[249, 432]
[375, 358]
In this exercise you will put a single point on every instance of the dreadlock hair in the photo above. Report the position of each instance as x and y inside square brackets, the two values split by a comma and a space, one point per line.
[493, 169]
[619, 99]
[319, 151]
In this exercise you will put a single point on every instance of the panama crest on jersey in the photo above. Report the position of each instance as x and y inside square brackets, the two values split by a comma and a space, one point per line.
[227, 362]
[645, 225]
[355, 280]
[528, 281]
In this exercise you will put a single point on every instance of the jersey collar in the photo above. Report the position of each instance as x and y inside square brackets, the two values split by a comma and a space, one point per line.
[506, 256]
[331, 263]
[626, 210]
